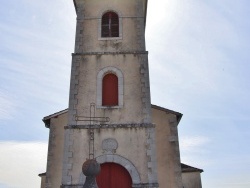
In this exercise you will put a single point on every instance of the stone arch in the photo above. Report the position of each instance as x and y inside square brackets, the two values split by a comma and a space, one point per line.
[129, 166]
[104, 10]
[109, 10]
[100, 76]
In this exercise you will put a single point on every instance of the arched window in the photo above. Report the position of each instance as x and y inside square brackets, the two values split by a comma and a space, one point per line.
[104, 81]
[110, 25]
[110, 90]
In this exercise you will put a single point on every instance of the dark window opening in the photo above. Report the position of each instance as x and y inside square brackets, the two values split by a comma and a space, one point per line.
[110, 90]
[110, 25]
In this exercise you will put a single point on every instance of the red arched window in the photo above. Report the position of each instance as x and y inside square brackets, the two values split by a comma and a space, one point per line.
[110, 90]
[110, 25]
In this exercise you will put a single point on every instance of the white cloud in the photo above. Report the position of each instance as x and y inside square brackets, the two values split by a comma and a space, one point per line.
[21, 162]
[193, 148]
[191, 144]
[7, 107]
[38, 68]
[190, 47]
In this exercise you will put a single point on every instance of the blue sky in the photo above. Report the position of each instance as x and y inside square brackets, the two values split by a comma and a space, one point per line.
[199, 66]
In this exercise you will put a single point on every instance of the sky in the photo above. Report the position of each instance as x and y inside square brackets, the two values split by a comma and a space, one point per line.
[199, 66]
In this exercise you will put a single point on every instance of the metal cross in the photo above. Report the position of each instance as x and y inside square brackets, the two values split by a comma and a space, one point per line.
[92, 119]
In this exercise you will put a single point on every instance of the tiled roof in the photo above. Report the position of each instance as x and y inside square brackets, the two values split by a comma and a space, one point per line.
[46, 119]
[187, 168]
[42, 174]
[178, 114]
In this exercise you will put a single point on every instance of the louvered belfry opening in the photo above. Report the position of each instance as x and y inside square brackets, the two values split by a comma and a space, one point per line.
[110, 25]
[110, 90]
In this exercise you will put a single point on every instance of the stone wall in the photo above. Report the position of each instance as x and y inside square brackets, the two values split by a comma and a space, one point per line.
[124, 144]
[191, 180]
[55, 151]
[168, 155]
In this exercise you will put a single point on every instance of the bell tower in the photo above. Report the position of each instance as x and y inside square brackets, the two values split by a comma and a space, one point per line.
[109, 115]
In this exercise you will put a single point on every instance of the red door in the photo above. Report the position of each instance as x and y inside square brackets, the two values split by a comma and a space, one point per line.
[113, 175]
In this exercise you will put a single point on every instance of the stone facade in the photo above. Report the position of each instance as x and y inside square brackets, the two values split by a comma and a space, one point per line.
[56, 140]
[126, 57]
[43, 179]
[191, 180]
[191, 176]
[134, 134]
[110, 144]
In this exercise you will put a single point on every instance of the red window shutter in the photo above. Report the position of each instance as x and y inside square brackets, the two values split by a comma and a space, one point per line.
[110, 90]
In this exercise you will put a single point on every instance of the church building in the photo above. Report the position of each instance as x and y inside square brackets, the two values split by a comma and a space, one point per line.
[110, 117]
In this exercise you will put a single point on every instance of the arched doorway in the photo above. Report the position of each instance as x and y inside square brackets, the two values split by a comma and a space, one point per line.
[113, 175]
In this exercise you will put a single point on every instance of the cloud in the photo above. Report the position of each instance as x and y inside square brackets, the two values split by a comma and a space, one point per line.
[193, 148]
[209, 39]
[192, 54]
[7, 107]
[191, 144]
[21, 162]
[35, 61]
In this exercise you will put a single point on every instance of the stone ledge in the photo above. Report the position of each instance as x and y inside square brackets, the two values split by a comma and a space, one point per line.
[141, 185]
[111, 126]
[146, 185]
[72, 186]
[110, 53]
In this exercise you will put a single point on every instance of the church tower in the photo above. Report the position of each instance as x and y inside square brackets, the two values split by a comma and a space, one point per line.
[109, 115]
[110, 119]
